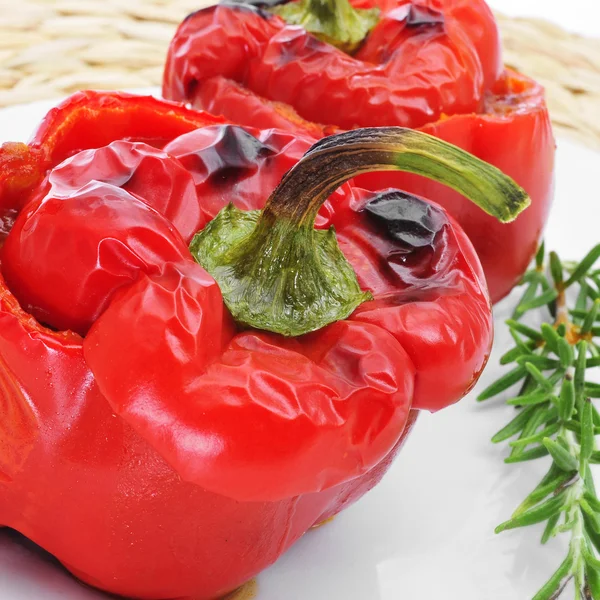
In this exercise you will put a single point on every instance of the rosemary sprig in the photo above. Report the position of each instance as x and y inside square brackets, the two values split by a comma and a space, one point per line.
[556, 415]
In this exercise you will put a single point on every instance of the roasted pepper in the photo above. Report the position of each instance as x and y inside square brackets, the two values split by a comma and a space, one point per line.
[317, 66]
[192, 375]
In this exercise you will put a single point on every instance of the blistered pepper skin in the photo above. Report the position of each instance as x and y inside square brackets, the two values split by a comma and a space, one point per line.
[193, 453]
[435, 65]
[89, 119]
[376, 87]
[156, 536]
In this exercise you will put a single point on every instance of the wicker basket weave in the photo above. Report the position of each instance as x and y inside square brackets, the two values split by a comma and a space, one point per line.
[50, 48]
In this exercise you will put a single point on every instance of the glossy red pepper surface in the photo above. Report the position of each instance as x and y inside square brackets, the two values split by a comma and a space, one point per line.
[192, 453]
[429, 64]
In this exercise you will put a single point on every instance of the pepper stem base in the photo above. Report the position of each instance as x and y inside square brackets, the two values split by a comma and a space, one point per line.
[336, 22]
[276, 276]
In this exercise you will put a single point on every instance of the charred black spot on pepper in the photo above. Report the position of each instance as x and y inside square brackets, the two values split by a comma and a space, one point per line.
[233, 153]
[406, 219]
[420, 16]
[414, 226]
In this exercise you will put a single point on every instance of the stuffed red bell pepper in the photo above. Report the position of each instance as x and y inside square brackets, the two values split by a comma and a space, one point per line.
[317, 66]
[192, 375]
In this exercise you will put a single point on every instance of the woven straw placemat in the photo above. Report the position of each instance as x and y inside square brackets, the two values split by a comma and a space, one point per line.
[50, 48]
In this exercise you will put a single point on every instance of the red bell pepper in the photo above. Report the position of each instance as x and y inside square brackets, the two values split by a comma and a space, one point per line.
[89, 120]
[435, 65]
[195, 425]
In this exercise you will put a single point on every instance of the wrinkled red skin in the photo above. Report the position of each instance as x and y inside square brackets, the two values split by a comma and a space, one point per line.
[89, 119]
[194, 455]
[447, 80]
[515, 135]
[323, 84]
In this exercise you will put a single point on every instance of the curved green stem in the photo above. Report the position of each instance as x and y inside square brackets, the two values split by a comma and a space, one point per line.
[336, 159]
[278, 273]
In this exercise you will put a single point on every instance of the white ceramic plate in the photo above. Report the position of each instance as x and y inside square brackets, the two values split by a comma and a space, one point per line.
[427, 531]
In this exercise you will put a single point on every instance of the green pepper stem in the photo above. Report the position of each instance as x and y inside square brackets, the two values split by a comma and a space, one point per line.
[336, 159]
[336, 22]
[277, 273]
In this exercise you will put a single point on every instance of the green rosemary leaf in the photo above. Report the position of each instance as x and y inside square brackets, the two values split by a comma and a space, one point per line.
[519, 342]
[528, 386]
[579, 313]
[530, 276]
[556, 377]
[502, 384]
[556, 269]
[567, 398]
[516, 352]
[562, 458]
[592, 517]
[595, 458]
[592, 501]
[592, 582]
[592, 390]
[515, 426]
[575, 427]
[549, 529]
[592, 290]
[554, 480]
[537, 437]
[543, 299]
[580, 304]
[558, 580]
[580, 367]
[592, 362]
[587, 433]
[542, 381]
[529, 332]
[590, 532]
[541, 416]
[588, 322]
[589, 557]
[529, 399]
[541, 512]
[584, 266]
[562, 441]
[588, 481]
[541, 362]
[527, 297]
[540, 255]
[532, 454]
[550, 337]
[565, 353]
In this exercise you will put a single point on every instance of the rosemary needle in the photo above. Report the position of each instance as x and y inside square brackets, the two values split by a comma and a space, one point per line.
[555, 413]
